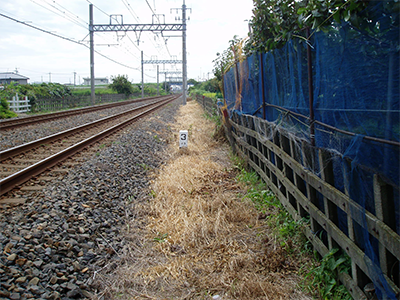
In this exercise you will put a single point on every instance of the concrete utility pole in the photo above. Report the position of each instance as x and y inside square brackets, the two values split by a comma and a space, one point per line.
[158, 62]
[154, 27]
[158, 81]
[184, 64]
[184, 59]
[170, 73]
[142, 77]
[92, 92]
[165, 83]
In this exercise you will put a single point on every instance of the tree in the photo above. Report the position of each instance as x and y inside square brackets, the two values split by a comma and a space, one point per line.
[211, 85]
[275, 22]
[6, 94]
[227, 59]
[193, 82]
[121, 85]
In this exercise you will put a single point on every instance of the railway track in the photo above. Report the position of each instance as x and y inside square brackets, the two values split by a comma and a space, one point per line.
[22, 163]
[20, 122]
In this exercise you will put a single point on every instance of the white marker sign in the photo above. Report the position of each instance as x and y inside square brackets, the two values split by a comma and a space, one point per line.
[183, 138]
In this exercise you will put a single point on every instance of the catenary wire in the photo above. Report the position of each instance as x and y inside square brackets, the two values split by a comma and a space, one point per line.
[74, 21]
[63, 16]
[67, 39]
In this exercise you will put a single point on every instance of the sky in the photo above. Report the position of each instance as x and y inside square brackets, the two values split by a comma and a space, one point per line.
[45, 58]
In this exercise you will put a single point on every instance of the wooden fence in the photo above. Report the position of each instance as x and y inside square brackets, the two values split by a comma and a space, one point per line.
[19, 105]
[286, 167]
[208, 104]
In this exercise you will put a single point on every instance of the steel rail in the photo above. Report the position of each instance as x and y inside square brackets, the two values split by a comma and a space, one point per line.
[20, 177]
[48, 139]
[14, 123]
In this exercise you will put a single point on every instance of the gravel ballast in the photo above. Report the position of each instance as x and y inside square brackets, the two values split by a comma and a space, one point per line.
[52, 246]
[18, 136]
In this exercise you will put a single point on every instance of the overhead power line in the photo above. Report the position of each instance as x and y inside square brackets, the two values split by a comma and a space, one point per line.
[67, 39]
[42, 30]
[98, 8]
[71, 17]
[137, 19]
[165, 42]
[60, 13]
[150, 7]
[128, 6]
[72, 14]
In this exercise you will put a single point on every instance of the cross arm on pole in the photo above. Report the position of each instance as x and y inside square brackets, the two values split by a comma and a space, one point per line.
[137, 27]
[159, 62]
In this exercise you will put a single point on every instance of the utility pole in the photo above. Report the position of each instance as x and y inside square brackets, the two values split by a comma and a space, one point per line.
[184, 62]
[184, 59]
[165, 82]
[142, 77]
[158, 82]
[74, 78]
[154, 27]
[120, 27]
[157, 62]
[167, 73]
[91, 31]
[50, 77]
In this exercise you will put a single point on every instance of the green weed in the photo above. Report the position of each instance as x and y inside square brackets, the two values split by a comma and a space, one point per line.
[215, 118]
[144, 166]
[161, 237]
[322, 279]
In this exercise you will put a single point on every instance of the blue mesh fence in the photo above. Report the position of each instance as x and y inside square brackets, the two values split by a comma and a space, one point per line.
[356, 90]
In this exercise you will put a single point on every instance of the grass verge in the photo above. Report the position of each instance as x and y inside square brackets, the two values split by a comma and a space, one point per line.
[208, 230]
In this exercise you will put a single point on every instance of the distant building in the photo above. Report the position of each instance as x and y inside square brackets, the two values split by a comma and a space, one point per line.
[97, 81]
[8, 77]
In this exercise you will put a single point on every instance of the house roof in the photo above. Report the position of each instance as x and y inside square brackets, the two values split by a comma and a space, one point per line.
[11, 75]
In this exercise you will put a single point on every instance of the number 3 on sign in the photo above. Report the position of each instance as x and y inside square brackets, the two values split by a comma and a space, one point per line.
[183, 138]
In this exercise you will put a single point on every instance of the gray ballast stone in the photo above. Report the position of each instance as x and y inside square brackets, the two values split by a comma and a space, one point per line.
[51, 246]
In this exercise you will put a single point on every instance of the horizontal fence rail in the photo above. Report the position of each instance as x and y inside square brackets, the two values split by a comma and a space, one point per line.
[19, 105]
[208, 104]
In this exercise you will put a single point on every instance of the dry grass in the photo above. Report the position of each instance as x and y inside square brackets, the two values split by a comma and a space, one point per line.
[201, 239]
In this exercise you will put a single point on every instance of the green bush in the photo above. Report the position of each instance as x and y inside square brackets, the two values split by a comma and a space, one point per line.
[121, 85]
[5, 95]
[196, 92]
[87, 92]
[81, 92]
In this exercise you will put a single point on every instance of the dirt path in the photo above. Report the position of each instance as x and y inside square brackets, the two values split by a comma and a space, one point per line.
[198, 237]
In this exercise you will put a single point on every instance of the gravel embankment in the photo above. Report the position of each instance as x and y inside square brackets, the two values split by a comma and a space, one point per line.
[12, 138]
[52, 246]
